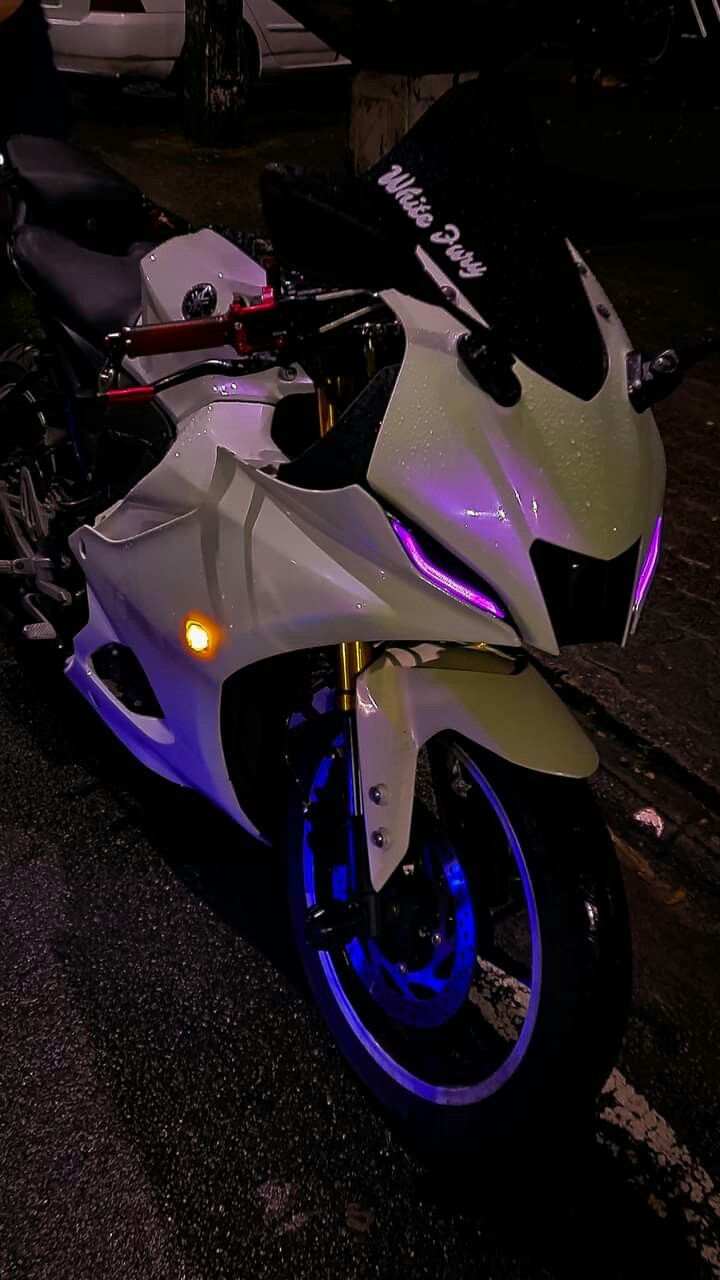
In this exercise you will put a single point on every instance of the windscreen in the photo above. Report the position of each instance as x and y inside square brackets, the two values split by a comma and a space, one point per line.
[467, 185]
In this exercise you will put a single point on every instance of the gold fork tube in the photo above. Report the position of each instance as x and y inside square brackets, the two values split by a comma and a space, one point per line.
[353, 657]
[326, 411]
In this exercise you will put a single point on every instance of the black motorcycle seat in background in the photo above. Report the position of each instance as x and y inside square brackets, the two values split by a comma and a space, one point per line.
[93, 293]
[75, 192]
[60, 177]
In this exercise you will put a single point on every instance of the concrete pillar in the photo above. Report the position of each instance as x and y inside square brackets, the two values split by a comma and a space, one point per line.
[385, 106]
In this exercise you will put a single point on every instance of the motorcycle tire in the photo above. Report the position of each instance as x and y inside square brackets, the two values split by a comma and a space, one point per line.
[455, 1043]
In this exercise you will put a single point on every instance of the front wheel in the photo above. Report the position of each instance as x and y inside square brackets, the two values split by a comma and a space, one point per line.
[493, 1000]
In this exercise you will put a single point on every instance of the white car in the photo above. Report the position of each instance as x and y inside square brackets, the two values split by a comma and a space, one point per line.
[134, 39]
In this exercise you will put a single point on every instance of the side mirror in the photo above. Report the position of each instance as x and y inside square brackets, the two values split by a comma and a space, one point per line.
[650, 381]
[491, 367]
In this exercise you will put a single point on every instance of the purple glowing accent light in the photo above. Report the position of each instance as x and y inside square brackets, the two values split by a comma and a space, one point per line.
[650, 564]
[441, 578]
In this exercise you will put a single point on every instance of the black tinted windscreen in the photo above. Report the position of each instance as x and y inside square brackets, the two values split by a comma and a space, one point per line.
[467, 185]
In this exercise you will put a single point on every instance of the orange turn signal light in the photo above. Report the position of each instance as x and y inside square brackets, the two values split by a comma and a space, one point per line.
[201, 636]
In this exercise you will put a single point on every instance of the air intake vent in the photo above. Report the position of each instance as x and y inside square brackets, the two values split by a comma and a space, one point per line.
[121, 673]
[587, 599]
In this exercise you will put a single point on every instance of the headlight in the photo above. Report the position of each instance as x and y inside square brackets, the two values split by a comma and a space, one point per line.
[446, 572]
[647, 573]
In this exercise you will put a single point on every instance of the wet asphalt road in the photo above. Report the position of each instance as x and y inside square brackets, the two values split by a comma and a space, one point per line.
[170, 1105]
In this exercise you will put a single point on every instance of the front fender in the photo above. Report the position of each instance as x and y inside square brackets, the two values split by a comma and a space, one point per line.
[410, 695]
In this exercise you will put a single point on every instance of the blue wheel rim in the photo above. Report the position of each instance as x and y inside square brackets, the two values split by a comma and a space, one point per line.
[367, 966]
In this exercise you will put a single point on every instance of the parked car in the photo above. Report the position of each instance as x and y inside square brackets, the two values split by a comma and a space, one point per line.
[137, 39]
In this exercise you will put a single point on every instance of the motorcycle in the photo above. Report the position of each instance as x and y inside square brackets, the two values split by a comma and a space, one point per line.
[291, 526]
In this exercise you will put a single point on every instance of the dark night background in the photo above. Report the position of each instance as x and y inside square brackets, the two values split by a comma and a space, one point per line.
[170, 1105]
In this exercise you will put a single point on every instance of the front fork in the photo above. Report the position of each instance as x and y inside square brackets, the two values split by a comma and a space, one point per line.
[335, 925]
[353, 658]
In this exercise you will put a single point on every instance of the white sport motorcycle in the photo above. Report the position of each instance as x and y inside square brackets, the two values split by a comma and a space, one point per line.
[292, 534]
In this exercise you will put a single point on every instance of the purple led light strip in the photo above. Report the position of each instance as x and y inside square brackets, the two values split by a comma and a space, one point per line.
[461, 591]
[650, 564]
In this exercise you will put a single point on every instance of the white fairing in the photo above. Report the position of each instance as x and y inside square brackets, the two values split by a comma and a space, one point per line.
[212, 530]
[409, 695]
[487, 481]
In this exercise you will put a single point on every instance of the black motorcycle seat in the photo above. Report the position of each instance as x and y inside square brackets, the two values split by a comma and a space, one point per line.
[71, 189]
[92, 293]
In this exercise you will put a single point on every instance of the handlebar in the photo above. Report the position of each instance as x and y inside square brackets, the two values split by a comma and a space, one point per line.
[285, 325]
[244, 328]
